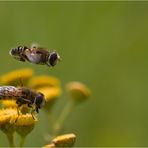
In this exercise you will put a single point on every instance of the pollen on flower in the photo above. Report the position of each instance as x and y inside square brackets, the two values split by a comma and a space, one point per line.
[43, 80]
[13, 77]
[9, 103]
[7, 115]
[25, 120]
[78, 91]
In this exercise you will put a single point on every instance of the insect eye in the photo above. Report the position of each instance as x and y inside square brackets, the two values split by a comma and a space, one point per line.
[53, 58]
[40, 100]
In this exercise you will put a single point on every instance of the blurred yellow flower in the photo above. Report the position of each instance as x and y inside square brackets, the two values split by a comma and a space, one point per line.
[50, 93]
[78, 91]
[43, 80]
[49, 146]
[13, 77]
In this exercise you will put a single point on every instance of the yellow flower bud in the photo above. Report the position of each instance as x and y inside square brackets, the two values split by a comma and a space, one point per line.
[52, 145]
[66, 140]
[78, 91]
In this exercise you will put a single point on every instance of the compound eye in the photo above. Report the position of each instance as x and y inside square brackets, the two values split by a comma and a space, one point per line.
[40, 100]
[53, 57]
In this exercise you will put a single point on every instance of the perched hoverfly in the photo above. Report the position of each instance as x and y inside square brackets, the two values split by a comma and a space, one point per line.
[23, 95]
[36, 55]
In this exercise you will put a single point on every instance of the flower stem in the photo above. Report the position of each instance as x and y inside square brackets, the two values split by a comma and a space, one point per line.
[22, 141]
[62, 117]
[10, 138]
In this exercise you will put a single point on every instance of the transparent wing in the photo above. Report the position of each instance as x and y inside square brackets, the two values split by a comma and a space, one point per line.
[35, 45]
[8, 91]
[34, 58]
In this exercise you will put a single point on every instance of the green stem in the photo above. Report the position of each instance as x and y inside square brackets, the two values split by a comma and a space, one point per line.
[62, 117]
[10, 138]
[22, 141]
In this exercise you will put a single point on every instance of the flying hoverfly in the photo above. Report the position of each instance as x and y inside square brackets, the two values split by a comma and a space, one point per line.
[36, 55]
[23, 95]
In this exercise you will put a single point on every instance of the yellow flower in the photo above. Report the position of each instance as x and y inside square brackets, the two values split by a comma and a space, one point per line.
[25, 120]
[49, 146]
[43, 80]
[7, 115]
[66, 140]
[51, 94]
[78, 91]
[9, 103]
[6, 125]
[24, 124]
[13, 78]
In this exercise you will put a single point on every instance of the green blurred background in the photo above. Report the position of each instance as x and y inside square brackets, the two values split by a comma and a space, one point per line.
[102, 44]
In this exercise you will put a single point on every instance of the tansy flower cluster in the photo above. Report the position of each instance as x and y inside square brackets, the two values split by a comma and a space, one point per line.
[20, 120]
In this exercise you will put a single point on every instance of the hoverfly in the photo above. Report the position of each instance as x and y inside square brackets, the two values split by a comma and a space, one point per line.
[23, 95]
[36, 55]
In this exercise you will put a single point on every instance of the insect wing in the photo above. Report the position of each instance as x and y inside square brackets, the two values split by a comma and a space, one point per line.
[8, 91]
[33, 57]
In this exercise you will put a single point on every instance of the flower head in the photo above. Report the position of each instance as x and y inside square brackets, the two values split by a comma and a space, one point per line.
[52, 145]
[6, 117]
[66, 140]
[24, 124]
[51, 94]
[7, 103]
[78, 91]
[43, 80]
[13, 78]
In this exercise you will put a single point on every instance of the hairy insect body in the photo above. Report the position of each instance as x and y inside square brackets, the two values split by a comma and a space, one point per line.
[23, 95]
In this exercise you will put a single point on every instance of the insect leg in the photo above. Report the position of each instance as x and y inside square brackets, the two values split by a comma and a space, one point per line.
[32, 112]
[18, 112]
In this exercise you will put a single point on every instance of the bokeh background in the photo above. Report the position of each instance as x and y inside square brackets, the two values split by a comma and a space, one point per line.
[102, 44]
